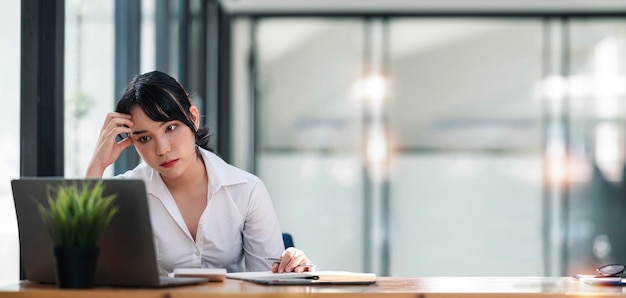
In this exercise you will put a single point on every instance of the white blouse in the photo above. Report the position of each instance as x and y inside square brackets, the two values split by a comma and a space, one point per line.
[236, 231]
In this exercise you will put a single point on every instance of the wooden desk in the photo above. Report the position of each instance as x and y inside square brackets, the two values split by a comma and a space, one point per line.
[422, 287]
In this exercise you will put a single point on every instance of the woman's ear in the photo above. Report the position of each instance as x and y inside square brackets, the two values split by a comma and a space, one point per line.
[195, 115]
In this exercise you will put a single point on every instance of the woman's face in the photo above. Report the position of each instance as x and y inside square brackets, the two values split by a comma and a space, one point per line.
[168, 147]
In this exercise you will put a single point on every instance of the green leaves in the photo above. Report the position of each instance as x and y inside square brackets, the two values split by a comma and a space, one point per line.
[78, 215]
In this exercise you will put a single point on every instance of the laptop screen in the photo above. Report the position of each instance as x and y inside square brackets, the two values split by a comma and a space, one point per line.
[127, 252]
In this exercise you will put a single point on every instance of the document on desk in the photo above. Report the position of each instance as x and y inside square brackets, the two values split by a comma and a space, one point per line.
[306, 278]
[601, 280]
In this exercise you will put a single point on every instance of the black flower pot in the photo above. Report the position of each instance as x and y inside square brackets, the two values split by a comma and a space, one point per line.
[75, 266]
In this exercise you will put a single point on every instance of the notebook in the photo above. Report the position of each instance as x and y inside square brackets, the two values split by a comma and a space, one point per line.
[213, 274]
[306, 278]
[127, 252]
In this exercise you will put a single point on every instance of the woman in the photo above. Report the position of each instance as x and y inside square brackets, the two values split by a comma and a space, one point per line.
[204, 212]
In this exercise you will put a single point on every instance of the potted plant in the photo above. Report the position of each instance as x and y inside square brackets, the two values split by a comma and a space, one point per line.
[76, 218]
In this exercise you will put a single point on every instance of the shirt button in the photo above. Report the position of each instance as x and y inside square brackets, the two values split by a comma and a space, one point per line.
[197, 253]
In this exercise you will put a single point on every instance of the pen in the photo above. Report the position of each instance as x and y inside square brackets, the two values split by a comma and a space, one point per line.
[278, 260]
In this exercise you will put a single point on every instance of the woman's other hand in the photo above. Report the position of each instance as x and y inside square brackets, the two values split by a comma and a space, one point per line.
[108, 149]
[293, 260]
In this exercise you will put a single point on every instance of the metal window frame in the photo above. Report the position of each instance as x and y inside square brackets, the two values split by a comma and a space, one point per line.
[41, 89]
[127, 59]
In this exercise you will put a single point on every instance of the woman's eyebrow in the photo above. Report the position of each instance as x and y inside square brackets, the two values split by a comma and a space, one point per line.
[138, 132]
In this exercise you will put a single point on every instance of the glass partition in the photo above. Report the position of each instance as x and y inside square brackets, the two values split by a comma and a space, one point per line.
[459, 121]
[597, 94]
[466, 176]
[309, 134]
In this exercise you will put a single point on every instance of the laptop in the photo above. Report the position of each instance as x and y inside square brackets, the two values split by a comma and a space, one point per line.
[127, 252]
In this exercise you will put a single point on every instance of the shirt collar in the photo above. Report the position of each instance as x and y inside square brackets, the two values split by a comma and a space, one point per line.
[220, 174]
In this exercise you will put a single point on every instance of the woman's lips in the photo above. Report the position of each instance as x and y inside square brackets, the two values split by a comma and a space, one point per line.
[169, 163]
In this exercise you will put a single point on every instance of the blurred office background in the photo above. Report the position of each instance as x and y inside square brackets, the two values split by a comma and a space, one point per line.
[406, 138]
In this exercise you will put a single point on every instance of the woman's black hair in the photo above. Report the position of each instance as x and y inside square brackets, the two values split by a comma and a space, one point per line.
[163, 99]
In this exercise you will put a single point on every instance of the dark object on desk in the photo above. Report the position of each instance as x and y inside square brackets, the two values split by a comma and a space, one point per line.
[76, 266]
[287, 240]
[127, 253]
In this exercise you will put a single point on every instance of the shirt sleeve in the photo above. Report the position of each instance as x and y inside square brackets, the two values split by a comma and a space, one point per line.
[261, 232]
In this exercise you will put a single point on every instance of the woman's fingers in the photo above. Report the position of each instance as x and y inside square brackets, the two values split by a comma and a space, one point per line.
[116, 126]
[108, 148]
[114, 117]
[293, 261]
[275, 267]
[287, 257]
